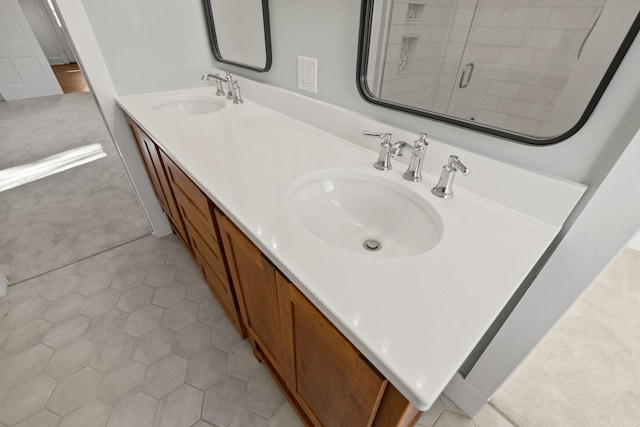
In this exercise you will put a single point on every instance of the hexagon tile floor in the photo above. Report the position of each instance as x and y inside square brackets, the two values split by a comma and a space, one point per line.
[133, 337]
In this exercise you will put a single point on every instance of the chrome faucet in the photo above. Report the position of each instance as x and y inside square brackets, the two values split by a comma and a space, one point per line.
[233, 88]
[219, 80]
[384, 161]
[414, 172]
[237, 96]
[444, 187]
[229, 81]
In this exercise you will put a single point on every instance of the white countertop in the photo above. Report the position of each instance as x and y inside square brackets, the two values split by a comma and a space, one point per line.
[416, 318]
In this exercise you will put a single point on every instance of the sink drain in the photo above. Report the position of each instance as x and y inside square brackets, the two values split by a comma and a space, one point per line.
[372, 245]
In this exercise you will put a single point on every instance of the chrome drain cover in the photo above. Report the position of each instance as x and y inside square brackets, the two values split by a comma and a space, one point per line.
[372, 245]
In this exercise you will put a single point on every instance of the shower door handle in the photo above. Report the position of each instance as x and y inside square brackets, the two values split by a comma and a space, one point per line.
[465, 78]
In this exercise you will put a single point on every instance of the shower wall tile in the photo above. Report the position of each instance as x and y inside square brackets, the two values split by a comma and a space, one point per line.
[492, 118]
[513, 107]
[555, 80]
[573, 17]
[483, 53]
[480, 35]
[463, 17]
[546, 38]
[493, 71]
[504, 89]
[506, 36]
[494, 17]
[464, 111]
[527, 75]
[531, 17]
[522, 125]
[540, 112]
[554, 59]
[517, 55]
[572, 39]
[509, 3]
[538, 94]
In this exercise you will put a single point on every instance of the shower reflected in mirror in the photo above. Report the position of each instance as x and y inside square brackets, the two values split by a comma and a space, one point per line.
[530, 72]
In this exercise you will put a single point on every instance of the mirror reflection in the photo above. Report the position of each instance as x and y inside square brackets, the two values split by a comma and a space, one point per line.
[239, 32]
[528, 67]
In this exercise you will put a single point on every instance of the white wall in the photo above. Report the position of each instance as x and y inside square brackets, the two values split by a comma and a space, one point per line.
[151, 45]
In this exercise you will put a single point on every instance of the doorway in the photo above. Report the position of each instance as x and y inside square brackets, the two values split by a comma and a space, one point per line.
[70, 78]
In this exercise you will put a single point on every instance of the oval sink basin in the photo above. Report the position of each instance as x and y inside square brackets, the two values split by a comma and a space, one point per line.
[365, 214]
[188, 105]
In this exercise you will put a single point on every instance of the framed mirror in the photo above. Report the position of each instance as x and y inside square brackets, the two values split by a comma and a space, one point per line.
[239, 32]
[531, 73]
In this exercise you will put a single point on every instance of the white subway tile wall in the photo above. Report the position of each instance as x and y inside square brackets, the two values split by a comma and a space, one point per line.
[523, 52]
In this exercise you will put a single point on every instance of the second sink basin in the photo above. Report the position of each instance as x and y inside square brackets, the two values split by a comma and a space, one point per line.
[188, 105]
[365, 214]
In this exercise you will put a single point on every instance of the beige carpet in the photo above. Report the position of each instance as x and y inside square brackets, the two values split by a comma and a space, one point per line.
[586, 371]
[70, 215]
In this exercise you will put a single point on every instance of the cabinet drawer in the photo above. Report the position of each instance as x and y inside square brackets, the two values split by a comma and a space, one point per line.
[221, 288]
[191, 215]
[190, 194]
[209, 251]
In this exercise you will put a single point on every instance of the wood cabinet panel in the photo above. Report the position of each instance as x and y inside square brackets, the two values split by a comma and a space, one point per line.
[255, 283]
[331, 380]
[202, 212]
[196, 211]
[155, 168]
[152, 170]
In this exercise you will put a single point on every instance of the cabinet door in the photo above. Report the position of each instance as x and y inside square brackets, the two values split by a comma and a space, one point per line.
[155, 168]
[255, 285]
[146, 149]
[328, 376]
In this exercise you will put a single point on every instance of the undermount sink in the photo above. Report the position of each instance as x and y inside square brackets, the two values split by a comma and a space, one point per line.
[365, 214]
[188, 105]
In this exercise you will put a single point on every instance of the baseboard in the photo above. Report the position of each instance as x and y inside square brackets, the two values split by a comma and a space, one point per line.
[464, 395]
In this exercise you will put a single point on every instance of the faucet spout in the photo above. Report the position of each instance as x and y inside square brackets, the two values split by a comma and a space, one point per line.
[397, 148]
[219, 80]
[414, 172]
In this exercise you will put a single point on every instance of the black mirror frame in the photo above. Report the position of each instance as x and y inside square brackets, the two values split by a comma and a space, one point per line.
[366, 14]
[214, 42]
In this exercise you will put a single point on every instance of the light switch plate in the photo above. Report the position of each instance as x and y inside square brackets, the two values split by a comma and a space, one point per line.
[308, 74]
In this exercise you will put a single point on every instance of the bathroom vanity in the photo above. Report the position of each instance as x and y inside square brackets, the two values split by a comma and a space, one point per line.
[265, 195]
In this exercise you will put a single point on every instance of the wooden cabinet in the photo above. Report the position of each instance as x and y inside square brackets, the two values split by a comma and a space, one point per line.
[190, 213]
[151, 157]
[255, 281]
[197, 213]
[328, 376]
[327, 380]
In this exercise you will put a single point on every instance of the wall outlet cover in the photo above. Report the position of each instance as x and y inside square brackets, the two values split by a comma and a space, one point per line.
[308, 74]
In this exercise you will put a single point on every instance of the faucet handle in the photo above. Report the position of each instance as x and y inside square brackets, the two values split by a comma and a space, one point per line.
[384, 162]
[237, 96]
[229, 81]
[422, 140]
[220, 89]
[444, 187]
[385, 136]
[456, 164]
